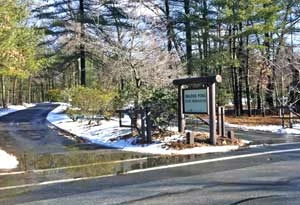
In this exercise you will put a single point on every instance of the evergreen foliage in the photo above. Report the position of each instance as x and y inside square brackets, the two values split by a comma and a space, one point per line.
[136, 47]
[18, 45]
[92, 101]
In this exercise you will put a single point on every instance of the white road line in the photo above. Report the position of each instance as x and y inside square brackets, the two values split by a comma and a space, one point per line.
[274, 145]
[53, 182]
[70, 167]
[281, 144]
[212, 160]
[11, 173]
[152, 169]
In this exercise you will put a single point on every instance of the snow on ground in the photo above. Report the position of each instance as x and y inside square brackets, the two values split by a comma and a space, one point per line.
[7, 161]
[157, 149]
[268, 128]
[14, 108]
[108, 132]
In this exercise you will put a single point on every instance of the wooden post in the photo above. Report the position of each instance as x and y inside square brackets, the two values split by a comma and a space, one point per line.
[231, 134]
[290, 119]
[148, 125]
[222, 121]
[219, 121]
[212, 114]
[143, 126]
[181, 124]
[282, 117]
[189, 138]
[120, 118]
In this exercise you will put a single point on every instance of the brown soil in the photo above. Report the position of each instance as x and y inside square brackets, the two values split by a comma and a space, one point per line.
[201, 139]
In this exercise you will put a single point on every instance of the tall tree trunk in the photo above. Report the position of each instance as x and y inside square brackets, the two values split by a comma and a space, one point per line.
[29, 90]
[188, 36]
[3, 92]
[205, 36]
[199, 45]
[258, 92]
[247, 78]
[53, 81]
[64, 82]
[270, 85]
[234, 54]
[14, 87]
[42, 92]
[82, 46]
[234, 74]
[20, 93]
[236, 92]
[240, 90]
[169, 25]
[241, 68]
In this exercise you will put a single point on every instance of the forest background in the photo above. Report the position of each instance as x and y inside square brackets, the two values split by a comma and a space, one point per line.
[102, 54]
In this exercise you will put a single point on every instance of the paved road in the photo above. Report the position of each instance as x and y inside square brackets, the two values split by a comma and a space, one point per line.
[27, 131]
[264, 175]
[258, 137]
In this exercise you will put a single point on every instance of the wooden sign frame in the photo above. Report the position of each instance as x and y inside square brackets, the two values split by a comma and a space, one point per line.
[210, 83]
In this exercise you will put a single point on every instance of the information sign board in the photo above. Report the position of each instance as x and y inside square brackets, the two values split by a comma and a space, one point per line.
[195, 101]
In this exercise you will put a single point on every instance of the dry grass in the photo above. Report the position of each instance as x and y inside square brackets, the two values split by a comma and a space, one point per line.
[257, 120]
[254, 120]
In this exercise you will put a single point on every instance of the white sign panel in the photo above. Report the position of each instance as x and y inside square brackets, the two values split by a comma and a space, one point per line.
[195, 101]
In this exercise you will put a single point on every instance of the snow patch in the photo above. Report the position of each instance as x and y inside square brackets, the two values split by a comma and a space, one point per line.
[268, 128]
[108, 133]
[14, 108]
[7, 161]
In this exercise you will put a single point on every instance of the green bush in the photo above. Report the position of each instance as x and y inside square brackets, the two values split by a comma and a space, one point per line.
[163, 105]
[54, 95]
[92, 100]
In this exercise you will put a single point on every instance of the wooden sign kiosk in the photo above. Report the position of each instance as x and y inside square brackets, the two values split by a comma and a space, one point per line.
[210, 84]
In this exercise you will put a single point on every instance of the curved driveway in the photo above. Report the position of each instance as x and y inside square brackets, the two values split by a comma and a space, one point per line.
[27, 131]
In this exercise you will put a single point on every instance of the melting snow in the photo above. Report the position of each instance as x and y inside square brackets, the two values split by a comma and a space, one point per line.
[14, 108]
[268, 128]
[108, 132]
[7, 161]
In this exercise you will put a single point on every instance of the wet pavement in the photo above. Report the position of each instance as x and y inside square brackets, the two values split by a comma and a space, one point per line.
[260, 179]
[27, 131]
[55, 154]
[258, 137]
[47, 155]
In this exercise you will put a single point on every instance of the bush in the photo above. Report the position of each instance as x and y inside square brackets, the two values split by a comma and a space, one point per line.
[163, 106]
[92, 100]
[54, 95]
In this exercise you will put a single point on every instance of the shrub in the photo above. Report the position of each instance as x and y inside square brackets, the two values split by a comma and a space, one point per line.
[54, 95]
[92, 100]
[163, 105]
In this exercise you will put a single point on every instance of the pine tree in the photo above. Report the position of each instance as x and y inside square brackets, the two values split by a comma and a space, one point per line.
[18, 45]
[79, 30]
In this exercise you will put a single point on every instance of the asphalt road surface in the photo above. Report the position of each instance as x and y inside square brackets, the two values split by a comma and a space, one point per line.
[263, 175]
[27, 131]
